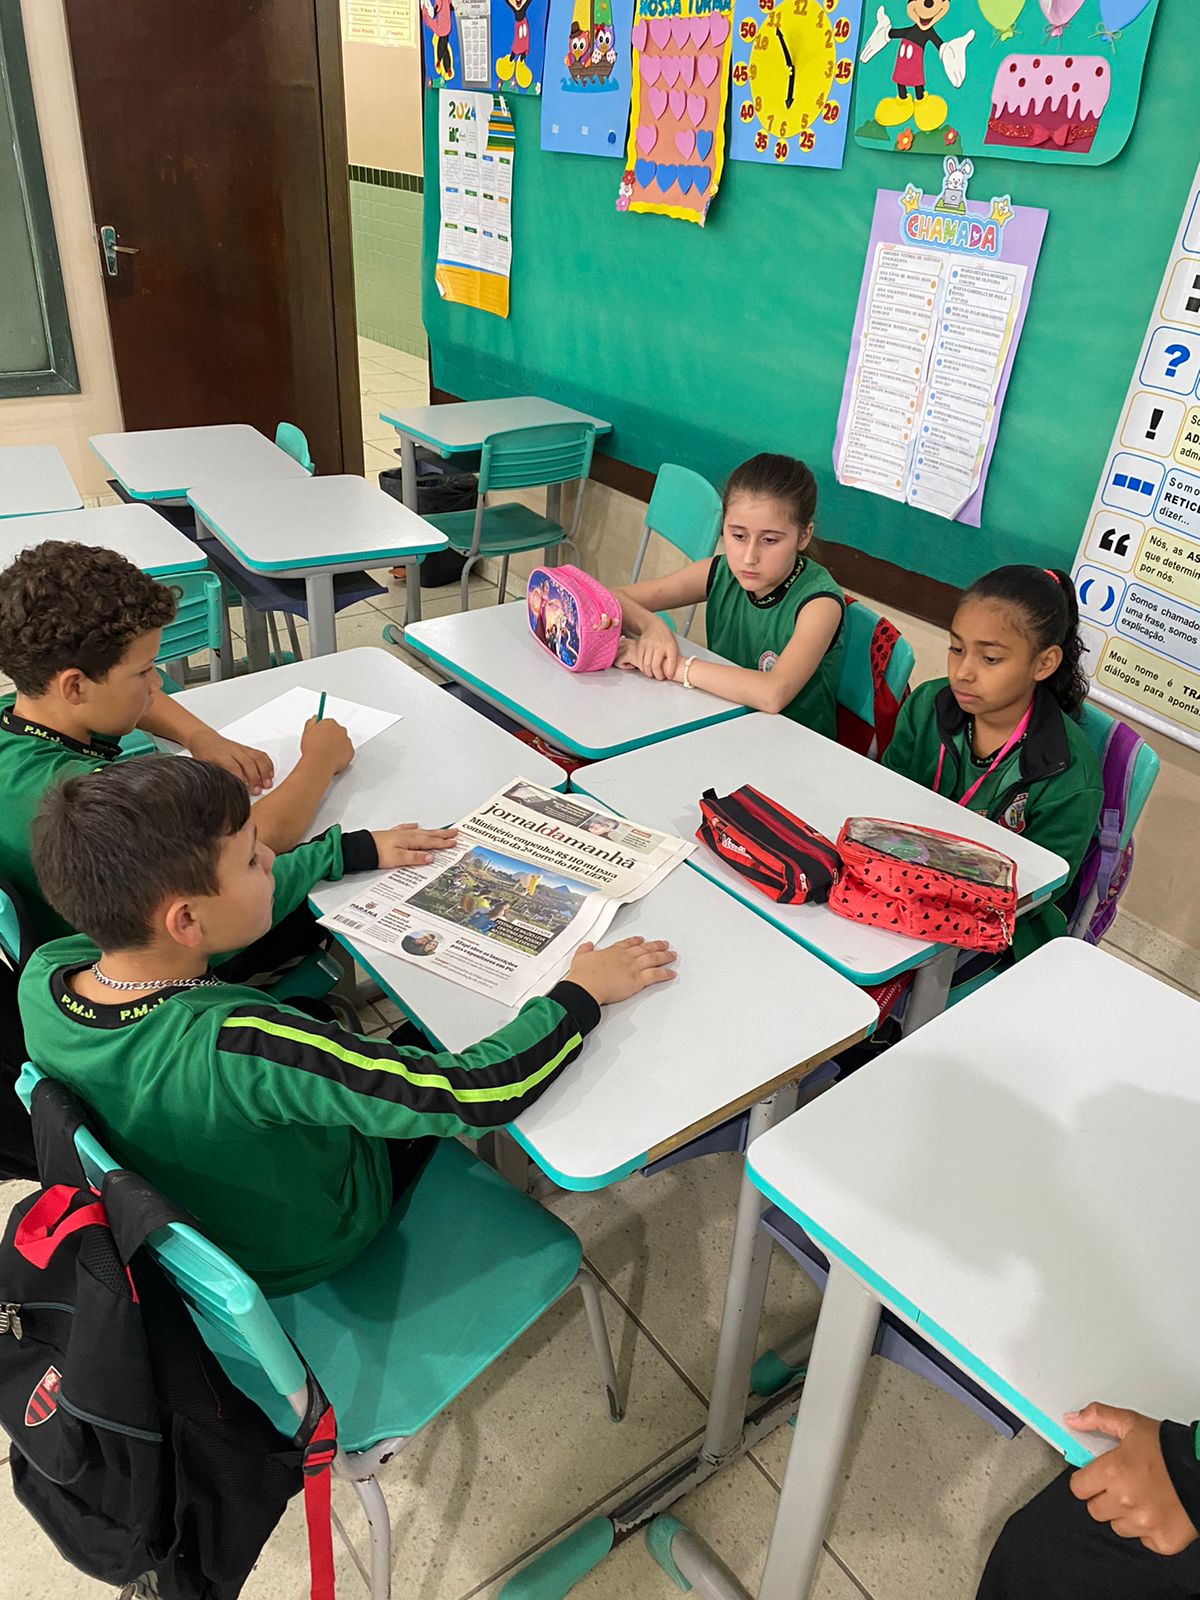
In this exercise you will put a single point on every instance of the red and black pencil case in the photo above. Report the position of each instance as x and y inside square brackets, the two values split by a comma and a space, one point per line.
[783, 857]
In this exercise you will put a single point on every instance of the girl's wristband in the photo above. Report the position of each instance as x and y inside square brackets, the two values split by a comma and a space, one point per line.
[687, 672]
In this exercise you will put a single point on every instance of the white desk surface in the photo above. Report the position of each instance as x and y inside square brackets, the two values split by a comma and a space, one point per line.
[433, 765]
[819, 781]
[465, 424]
[33, 479]
[136, 532]
[674, 1060]
[164, 463]
[1018, 1181]
[309, 523]
[596, 714]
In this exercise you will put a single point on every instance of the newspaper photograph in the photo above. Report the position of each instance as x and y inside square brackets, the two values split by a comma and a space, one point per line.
[533, 875]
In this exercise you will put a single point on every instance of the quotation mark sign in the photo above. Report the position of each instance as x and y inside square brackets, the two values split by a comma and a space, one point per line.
[1114, 541]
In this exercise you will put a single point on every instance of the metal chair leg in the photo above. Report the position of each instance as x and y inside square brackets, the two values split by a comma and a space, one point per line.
[464, 583]
[380, 1528]
[273, 630]
[293, 636]
[501, 592]
[590, 1290]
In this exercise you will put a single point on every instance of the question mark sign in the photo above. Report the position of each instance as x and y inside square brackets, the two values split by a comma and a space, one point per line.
[1176, 355]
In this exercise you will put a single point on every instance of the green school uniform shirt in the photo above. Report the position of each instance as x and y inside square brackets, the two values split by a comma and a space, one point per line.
[1049, 787]
[270, 1128]
[33, 759]
[754, 633]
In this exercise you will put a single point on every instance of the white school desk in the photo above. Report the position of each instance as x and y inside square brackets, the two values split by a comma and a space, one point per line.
[34, 479]
[312, 528]
[136, 532]
[438, 761]
[824, 783]
[164, 463]
[1017, 1182]
[592, 714]
[461, 428]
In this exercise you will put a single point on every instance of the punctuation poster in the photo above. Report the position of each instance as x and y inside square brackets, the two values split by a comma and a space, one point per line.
[940, 313]
[1137, 573]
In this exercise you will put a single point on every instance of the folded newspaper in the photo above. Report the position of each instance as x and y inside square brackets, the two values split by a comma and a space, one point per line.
[533, 875]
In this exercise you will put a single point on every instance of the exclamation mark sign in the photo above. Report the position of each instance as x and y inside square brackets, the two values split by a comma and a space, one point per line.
[1156, 417]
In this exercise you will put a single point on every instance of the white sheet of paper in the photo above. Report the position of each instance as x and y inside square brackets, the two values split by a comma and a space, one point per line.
[275, 728]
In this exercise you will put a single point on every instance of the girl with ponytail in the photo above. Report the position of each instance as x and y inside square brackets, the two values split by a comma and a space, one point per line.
[1000, 733]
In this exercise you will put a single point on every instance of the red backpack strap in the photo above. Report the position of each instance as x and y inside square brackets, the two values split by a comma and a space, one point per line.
[318, 1459]
[46, 1224]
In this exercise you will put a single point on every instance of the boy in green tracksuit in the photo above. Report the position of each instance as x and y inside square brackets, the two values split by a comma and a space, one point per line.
[1000, 733]
[287, 1139]
[80, 629]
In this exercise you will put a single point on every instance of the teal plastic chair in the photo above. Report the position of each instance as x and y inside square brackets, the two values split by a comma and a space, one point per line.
[197, 626]
[856, 685]
[458, 1272]
[685, 510]
[290, 439]
[521, 458]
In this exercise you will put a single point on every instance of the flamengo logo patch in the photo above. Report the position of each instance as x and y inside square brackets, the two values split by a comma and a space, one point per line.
[43, 1402]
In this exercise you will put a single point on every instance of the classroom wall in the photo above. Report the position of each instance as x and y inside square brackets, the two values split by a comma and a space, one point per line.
[383, 122]
[67, 420]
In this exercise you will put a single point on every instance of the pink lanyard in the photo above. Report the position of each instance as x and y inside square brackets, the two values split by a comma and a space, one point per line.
[1013, 739]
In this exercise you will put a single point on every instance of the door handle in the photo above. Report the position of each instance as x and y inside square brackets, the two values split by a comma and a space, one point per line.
[108, 241]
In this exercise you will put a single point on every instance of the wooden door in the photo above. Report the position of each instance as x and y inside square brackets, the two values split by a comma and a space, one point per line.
[214, 132]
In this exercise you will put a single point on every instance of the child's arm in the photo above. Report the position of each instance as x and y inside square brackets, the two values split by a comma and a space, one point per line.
[657, 652]
[285, 816]
[320, 1075]
[165, 718]
[900, 755]
[1145, 1488]
[815, 630]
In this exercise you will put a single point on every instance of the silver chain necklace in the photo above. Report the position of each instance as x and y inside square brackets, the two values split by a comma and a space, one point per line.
[165, 983]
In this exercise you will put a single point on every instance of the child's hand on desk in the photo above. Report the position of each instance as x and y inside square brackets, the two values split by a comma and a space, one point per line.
[622, 969]
[1130, 1487]
[327, 742]
[254, 767]
[657, 651]
[410, 845]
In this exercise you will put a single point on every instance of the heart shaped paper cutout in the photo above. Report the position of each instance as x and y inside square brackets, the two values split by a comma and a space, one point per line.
[707, 67]
[660, 31]
[697, 110]
[646, 136]
[657, 100]
[670, 69]
[718, 28]
[687, 70]
[643, 171]
[703, 177]
[651, 67]
[699, 31]
[681, 31]
[685, 178]
[639, 35]
[665, 176]
[685, 143]
[677, 100]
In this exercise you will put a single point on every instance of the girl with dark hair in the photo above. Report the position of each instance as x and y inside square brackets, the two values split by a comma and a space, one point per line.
[772, 610]
[1000, 733]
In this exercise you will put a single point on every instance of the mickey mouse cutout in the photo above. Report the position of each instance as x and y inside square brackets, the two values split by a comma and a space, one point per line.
[928, 111]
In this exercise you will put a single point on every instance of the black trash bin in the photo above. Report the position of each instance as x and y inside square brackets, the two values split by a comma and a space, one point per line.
[437, 491]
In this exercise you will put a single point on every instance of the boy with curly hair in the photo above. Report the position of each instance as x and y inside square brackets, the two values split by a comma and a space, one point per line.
[80, 628]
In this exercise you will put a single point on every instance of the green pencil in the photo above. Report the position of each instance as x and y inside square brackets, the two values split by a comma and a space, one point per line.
[321, 707]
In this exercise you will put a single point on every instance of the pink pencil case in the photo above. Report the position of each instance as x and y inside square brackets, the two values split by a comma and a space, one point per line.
[573, 617]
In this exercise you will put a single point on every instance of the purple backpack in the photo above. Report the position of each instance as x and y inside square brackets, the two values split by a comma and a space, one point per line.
[1107, 864]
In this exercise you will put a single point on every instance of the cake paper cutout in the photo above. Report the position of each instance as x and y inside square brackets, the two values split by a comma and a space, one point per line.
[1048, 100]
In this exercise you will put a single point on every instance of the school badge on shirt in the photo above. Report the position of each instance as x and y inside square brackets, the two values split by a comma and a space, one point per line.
[1014, 818]
[767, 661]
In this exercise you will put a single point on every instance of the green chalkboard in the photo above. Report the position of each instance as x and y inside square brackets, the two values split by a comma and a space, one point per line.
[703, 345]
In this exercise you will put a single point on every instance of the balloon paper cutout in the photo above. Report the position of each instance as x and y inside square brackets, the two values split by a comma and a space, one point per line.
[1118, 14]
[1003, 14]
[1058, 13]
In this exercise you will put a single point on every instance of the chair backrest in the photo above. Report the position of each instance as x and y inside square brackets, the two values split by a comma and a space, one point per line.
[523, 458]
[290, 438]
[220, 1296]
[685, 510]
[197, 624]
[13, 945]
[856, 685]
[1097, 725]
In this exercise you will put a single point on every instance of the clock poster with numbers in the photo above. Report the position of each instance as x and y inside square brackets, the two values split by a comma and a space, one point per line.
[793, 70]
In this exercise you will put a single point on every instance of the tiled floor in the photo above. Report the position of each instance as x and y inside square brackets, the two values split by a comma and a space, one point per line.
[528, 1451]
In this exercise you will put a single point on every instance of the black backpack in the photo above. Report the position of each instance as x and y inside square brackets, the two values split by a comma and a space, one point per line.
[131, 1448]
